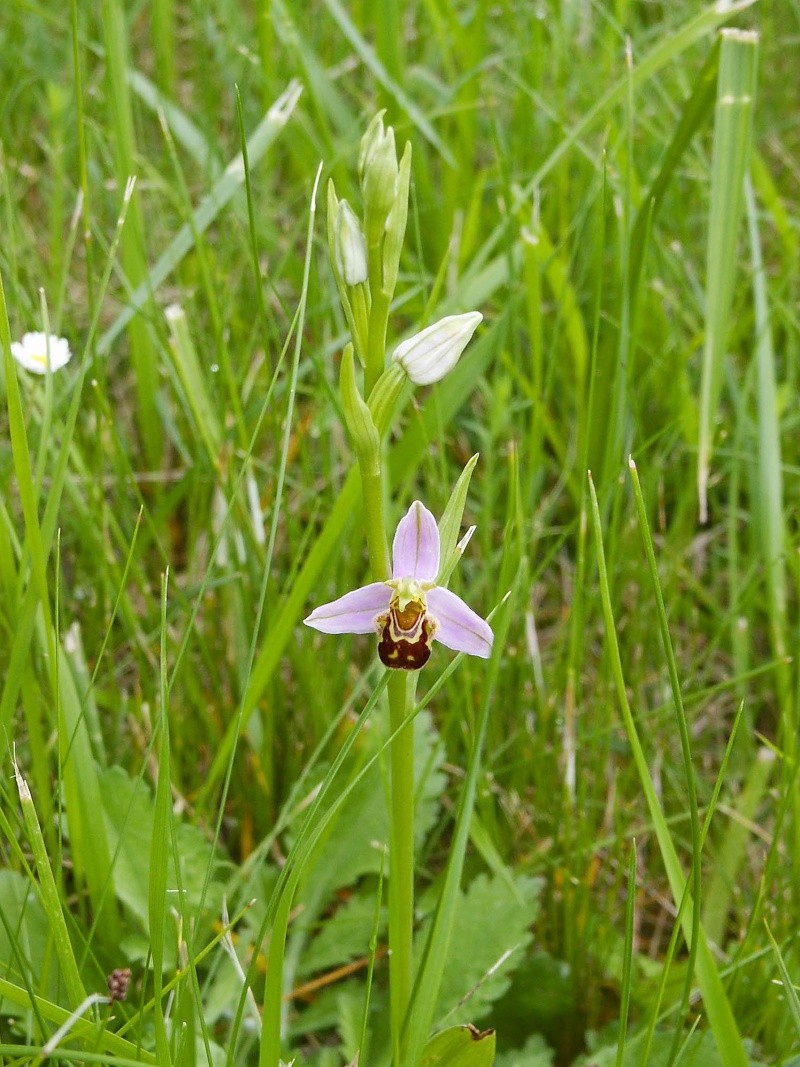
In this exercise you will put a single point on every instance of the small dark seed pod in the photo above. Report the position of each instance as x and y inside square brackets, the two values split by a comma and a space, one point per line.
[118, 982]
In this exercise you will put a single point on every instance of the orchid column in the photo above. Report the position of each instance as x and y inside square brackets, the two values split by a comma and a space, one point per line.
[406, 604]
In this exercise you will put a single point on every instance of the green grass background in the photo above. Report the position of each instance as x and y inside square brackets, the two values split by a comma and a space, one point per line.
[575, 180]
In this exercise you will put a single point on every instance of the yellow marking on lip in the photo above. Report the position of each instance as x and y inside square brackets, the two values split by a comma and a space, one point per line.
[407, 617]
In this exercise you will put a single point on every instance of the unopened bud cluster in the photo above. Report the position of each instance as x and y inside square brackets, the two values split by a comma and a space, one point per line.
[365, 253]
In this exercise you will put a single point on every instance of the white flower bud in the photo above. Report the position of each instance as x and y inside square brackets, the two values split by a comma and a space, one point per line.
[350, 246]
[429, 355]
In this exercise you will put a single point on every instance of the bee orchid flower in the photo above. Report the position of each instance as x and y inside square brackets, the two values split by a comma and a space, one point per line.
[409, 611]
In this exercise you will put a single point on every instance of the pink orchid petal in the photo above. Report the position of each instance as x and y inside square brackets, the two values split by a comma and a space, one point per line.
[353, 613]
[459, 627]
[415, 552]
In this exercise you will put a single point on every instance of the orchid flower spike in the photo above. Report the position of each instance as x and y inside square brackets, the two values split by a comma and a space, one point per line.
[409, 611]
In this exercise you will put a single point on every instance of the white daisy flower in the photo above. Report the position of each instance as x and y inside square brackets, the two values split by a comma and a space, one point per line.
[33, 350]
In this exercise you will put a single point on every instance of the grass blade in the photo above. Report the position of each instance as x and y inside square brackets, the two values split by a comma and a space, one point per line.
[789, 988]
[736, 86]
[206, 212]
[371, 61]
[431, 968]
[134, 256]
[769, 484]
[48, 891]
[693, 116]
[627, 960]
[159, 848]
[683, 729]
[720, 1014]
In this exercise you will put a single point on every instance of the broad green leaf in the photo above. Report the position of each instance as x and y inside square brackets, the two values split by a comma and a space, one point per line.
[460, 1046]
[491, 930]
[25, 941]
[349, 851]
[342, 936]
[90, 848]
[535, 1053]
[129, 815]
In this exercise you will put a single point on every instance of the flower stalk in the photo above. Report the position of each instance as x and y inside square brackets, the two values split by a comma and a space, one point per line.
[406, 605]
[402, 689]
[379, 175]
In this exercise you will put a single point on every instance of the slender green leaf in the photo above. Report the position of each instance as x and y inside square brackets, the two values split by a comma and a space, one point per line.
[48, 892]
[736, 87]
[206, 212]
[717, 1005]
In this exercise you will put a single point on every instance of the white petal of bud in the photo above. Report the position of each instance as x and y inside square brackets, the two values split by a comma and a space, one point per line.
[351, 248]
[428, 356]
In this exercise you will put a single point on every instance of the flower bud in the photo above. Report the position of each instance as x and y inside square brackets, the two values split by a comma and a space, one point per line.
[349, 246]
[350, 269]
[429, 355]
[358, 417]
[378, 170]
[396, 225]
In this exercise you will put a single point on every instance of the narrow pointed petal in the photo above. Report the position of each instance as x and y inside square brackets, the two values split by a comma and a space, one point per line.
[459, 627]
[415, 552]
[353, 613]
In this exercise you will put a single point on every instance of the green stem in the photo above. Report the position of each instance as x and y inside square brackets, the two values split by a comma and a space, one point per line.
[402, 685]
[378, 321]
[372, 491]
[402, 688]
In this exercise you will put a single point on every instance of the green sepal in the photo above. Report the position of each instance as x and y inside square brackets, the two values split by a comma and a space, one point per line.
[359, 326]
[460, 1046]
[396, 225]
[450, 523]
[333, 207]
[358, 419]
[384, 397]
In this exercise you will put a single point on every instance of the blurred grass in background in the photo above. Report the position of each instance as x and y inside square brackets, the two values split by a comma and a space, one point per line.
[577, 181]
